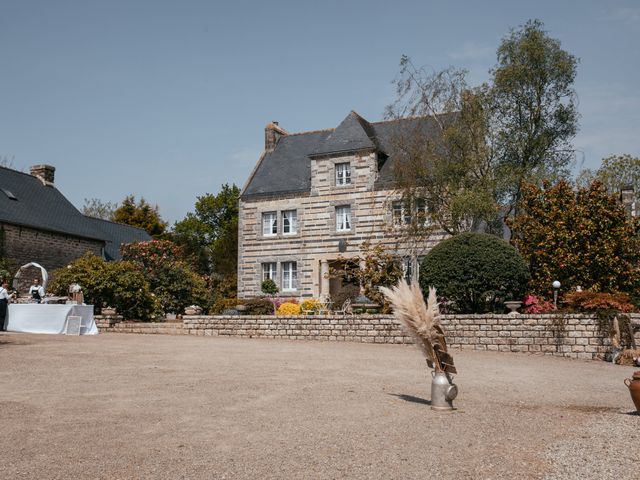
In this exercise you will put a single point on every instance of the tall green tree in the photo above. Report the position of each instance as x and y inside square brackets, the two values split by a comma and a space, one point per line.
[210, 233]
[140, 214]
[451, 170]
[581, 238]
[490, 139]
[534, 110]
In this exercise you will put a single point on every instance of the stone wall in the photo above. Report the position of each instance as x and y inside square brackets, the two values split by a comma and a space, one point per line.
[576, 336]
[51, 250]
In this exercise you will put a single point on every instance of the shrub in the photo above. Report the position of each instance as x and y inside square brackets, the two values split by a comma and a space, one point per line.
[473, 272]
[289, 308]
[533, 304]
[269, 287]
[222, 304]
[259, 306]
[172, 281]
[280, 300]
[118, 284]
[599, 302]
[310, 305]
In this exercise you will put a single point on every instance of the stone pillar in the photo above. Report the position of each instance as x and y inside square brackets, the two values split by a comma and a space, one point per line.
[363, 265]
[325, 284]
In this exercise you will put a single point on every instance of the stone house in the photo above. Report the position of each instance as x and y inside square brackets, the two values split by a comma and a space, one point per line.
[38, 224]
[316, 196]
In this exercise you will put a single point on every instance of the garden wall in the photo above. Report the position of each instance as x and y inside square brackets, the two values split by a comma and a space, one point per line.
[576, 336]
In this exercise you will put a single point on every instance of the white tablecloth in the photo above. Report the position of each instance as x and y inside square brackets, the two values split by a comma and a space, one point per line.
[42, 318]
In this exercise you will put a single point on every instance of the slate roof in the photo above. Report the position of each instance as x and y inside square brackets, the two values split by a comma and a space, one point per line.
[116, 234]
[44, 208]
[287, 169]
[39, 206]
[354, 133]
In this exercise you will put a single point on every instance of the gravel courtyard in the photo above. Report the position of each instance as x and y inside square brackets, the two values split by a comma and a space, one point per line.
[120, 406]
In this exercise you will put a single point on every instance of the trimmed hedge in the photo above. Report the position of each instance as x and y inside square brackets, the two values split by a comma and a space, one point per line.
[474, 272]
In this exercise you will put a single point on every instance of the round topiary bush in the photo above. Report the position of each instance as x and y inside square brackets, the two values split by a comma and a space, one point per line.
[474, 272]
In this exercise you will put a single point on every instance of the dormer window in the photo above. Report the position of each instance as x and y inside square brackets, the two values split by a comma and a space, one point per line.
[343, 174]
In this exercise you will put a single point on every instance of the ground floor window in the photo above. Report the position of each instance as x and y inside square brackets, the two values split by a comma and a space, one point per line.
[289, 276]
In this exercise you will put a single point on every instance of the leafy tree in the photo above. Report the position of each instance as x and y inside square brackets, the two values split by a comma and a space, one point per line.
[534, 106]
[490, 139]
[616, 172]
[94, 207]
[451, 171]
[140, 215]
[117, 284]
[210, 234]
[474, 272]
[373, 268]
[581, 238]
[172, 281]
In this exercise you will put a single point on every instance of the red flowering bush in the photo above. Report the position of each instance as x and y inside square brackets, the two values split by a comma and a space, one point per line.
[533, 304]
[595, 301]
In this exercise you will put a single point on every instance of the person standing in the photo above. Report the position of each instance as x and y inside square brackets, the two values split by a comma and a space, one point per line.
[36, 291]
[5, 298]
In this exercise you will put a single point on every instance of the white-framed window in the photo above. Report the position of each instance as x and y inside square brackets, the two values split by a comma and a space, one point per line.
[343, 218]
[289, 276]
[289, 221]
[343, 173]
[400, 213]
[269, 224]
[405, 213]
[269, 271]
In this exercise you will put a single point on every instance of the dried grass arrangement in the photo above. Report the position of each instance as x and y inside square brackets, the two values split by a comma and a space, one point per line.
[420, 320]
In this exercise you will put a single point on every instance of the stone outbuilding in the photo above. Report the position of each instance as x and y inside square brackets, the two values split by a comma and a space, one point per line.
[37, 223]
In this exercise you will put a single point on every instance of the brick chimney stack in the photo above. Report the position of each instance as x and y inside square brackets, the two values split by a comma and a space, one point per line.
[628, 199]
[46, 173]
[272, 133]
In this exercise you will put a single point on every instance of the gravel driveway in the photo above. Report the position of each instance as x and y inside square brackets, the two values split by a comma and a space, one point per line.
[120, 406]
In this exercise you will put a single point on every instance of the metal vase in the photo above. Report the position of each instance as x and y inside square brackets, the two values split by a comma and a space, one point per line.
[443, 391]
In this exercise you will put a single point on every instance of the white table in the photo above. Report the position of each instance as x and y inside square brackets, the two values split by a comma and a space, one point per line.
[43, 318]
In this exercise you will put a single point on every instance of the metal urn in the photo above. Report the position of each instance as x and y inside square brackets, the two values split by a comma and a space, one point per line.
[443, 391]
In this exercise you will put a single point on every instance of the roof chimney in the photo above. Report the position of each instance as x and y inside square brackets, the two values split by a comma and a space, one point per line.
[46, 173]
[628, 199]
[272, 133]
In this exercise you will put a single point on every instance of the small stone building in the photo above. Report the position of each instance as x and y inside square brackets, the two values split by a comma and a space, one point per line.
[315, 197]
[38, 224]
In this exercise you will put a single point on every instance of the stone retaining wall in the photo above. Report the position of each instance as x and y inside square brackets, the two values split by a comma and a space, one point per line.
[577, 336]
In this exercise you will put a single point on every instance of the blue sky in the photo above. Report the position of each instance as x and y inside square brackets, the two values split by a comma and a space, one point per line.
[169, 99]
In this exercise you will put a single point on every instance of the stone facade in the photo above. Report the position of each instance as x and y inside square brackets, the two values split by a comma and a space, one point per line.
[574, 336]
[51, 250]
[317, 240]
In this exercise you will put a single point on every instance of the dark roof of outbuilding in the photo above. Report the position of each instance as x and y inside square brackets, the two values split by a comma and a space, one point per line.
[40, 206]
[287, 169]
[117, 234]
[26, 201]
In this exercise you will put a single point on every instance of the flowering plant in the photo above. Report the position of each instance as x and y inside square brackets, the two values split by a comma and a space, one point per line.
[289, 308]
[533, 304]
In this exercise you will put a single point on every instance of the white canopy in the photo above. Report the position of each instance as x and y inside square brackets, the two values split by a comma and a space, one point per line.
[45, 276]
